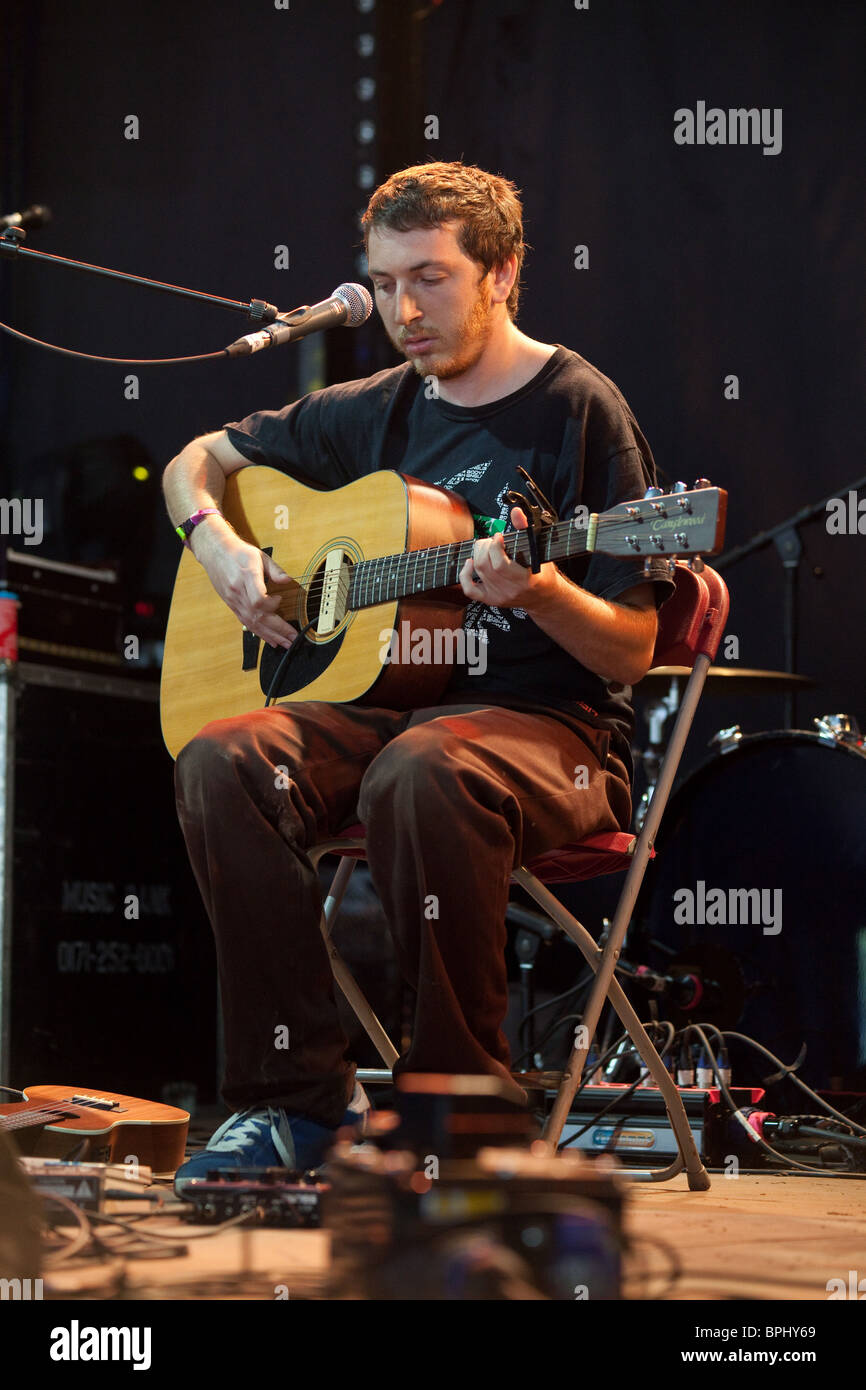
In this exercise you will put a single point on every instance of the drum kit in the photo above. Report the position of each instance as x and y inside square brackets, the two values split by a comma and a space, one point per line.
[758, 885]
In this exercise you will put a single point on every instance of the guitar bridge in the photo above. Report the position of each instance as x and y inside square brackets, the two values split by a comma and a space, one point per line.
[96, 1102]
[332, 605]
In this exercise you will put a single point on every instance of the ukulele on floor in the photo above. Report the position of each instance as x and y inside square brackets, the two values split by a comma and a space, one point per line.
[52, 1121]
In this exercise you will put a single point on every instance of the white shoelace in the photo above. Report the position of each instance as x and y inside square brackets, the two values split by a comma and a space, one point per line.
[248, 1129]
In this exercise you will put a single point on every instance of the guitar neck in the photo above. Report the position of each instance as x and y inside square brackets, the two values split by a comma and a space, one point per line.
[417, 571]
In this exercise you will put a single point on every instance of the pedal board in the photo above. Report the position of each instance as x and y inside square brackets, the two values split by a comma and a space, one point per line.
[270, 1196]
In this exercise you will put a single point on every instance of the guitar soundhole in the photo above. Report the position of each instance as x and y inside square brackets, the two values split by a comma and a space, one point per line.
[309, 658]
[306, 661]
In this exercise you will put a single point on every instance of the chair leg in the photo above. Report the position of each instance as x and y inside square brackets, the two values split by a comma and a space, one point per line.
[354, 996]
[607, 986]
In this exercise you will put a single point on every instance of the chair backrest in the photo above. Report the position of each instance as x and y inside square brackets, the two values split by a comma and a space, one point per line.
[692, 621]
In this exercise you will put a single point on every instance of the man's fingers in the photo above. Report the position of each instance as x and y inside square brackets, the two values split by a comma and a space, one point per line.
[490, 556]
[274, 631]
[273, 572]
[259, 614]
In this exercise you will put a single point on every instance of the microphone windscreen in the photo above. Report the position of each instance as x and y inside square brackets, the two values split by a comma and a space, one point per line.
[358, 301]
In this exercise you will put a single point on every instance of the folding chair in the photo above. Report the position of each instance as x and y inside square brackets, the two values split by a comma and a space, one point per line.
[691, 624]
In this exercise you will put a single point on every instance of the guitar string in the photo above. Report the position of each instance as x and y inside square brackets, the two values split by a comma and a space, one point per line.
[47, 1109]
[356, 583]
[360, 576]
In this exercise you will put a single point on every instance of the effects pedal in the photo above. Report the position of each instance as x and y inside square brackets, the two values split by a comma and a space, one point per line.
[270, 1196]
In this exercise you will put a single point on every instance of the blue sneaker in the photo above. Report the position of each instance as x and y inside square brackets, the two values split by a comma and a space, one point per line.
[266, 1136]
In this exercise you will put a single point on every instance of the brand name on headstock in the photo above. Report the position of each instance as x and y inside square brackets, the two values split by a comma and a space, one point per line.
[675, 523]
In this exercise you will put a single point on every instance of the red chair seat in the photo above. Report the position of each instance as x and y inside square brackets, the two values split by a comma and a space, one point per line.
[597, 854]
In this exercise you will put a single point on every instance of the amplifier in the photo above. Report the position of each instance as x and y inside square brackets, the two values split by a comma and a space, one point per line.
[69, 615]
[110, 975]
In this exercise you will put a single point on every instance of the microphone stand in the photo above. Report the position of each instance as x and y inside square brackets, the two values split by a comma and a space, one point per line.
[789, 547]
[256, 310]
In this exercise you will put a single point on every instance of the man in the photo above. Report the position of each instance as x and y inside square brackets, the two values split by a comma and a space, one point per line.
[526, 755]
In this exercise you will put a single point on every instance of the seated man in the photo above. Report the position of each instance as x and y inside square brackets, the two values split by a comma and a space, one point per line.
[523, 756]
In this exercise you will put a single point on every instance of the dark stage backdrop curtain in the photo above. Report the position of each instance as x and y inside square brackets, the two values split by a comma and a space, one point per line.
[704, 261]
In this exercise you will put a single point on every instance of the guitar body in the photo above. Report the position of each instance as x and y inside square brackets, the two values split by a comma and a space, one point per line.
[53, 1121]
[213, 670]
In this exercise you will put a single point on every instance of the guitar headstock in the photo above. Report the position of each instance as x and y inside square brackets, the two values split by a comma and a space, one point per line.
[685, 523]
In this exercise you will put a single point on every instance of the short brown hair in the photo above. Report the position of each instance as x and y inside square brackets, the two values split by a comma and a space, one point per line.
[487, 206]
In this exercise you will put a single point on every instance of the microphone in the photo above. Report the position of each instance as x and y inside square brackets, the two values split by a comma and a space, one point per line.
[33, 217]
[350, 305]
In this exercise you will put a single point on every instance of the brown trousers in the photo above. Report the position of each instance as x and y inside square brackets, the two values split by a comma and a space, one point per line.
[452, 798]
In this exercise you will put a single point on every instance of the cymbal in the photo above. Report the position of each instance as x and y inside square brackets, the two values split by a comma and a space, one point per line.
[725, 680]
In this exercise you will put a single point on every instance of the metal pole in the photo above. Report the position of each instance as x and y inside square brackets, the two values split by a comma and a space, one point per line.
[8, 692]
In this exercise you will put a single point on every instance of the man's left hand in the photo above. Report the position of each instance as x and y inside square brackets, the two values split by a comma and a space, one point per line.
[503, 582]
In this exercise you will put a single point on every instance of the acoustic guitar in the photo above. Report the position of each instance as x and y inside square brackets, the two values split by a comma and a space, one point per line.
[379, 556]
[52, 1121]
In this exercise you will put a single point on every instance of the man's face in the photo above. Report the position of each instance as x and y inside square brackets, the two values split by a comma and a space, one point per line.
[434, 301]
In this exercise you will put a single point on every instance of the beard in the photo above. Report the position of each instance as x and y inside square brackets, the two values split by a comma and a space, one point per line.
[469, 341]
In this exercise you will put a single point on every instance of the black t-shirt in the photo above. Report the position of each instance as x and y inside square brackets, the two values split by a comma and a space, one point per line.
[576, 436]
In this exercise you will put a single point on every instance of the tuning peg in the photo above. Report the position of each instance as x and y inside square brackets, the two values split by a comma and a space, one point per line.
[680, 487]
[702, 482]
[653, 492]
[696, 565]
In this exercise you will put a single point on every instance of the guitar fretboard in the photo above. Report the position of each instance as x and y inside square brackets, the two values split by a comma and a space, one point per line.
[391, 577]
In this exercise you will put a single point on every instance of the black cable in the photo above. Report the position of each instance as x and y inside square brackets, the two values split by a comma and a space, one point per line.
[737, 1114]
[675, 1271]
[541, 1042]
[548, 1004]
[624, 1095]
[289, 652]
[831, 1134]
[821, 1133]
[124, 361]
[759, 1047]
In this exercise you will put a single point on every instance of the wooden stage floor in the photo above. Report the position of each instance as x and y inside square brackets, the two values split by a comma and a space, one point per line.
[756, 1236]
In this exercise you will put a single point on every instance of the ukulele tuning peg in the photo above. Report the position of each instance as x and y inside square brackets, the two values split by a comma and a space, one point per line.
[696, 565]
[680, 487]
[652, 492]
[702, 482]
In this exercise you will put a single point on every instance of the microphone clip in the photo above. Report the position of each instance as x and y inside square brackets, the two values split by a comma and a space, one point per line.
[11, 239]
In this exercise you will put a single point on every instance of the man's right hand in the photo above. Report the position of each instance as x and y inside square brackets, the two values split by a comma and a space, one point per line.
[240, 573]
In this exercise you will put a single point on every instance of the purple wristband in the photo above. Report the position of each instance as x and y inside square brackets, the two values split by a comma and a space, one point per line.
[187, 527]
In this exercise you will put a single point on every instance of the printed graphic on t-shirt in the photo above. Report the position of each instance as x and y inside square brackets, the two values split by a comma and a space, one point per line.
[481, 615]
[469, 475]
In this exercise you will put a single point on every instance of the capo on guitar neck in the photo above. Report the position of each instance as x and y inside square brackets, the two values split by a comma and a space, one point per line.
[539, 512]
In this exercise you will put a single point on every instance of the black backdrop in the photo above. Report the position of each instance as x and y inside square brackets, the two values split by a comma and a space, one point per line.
[704, 262]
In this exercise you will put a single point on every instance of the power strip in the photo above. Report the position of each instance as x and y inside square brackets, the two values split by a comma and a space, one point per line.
[637, 1127]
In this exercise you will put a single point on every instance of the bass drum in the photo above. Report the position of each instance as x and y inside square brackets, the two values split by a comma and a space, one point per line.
[784, 813]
